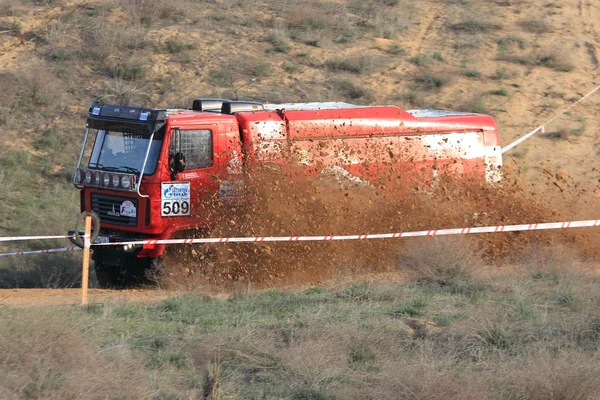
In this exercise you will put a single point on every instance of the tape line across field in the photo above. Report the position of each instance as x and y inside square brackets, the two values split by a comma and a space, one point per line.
[431, 232]
[262, 239]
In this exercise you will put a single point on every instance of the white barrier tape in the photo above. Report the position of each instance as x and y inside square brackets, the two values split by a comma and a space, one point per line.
[86, 241]
[24, 253]
[15, 238]
[436, 232]
[541, 127]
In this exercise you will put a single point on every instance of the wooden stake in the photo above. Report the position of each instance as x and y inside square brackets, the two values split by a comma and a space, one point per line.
[85, 273]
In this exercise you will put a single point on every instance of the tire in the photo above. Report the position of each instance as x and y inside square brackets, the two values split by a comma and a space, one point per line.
[107, 279]
[119, 271]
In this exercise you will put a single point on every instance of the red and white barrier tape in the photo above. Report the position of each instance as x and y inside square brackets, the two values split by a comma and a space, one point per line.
[262, 239]
[435, 232]
[541, 127]
[24, 253]
[16, 238]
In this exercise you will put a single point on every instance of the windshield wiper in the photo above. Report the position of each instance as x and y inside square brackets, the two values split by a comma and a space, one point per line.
[130, 169]
[102, 167]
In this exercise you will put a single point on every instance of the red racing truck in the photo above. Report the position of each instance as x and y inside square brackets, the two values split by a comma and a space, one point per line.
[146, 172]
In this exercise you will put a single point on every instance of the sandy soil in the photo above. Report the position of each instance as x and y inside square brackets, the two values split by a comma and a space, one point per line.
[68, 297]
[60, 297]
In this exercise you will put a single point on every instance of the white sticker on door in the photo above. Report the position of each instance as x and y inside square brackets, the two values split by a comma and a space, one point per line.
[175, 199]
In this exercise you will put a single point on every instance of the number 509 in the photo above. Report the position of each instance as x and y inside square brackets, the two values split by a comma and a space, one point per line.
[176, 208]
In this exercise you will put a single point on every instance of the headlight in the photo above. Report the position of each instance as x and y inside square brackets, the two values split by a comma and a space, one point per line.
[88, 177]
[115, 180]
[106, 179]
[97, 178]
[78, 176]
[125, 181]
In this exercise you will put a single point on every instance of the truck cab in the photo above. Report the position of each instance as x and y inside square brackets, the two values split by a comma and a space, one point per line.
[143, 172]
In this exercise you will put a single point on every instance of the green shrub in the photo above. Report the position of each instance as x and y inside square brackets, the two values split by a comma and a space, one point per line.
[475, 26]
[352, 64]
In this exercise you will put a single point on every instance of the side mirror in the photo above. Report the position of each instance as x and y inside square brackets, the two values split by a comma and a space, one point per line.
[176, 160]
[179, 165]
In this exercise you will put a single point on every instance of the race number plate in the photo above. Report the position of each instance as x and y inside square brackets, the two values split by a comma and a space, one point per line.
[175, 199]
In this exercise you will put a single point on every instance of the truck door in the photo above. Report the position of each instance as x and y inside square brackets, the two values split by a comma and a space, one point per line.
[184, 194]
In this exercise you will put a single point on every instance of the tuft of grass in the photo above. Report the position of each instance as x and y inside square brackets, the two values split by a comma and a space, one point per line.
[549, 59]
[498, 92]
[503, 73]
[511, 41]
[448, 264]
[176, 46]
[431, 79]
[476, 26]
[410, 308]
[535, 26]
[349, 89]
[471, 73]
[353, 64]
[396, 50]
[555, 61]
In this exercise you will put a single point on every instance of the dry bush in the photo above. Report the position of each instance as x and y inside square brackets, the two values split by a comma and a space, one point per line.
[147, 12]
[49, 271]
[549, 58]
[8, 8]
[442, 259]
[103, 39]
[476, 25]
[384, 18]
[432, 78]
[43, 356]
[310, 22]
[120, 91]
[536, 26]
[564, 376]
[356, 64]
[243, 73]
[349, 90]
[551, 259]
[31, 86]
[416, 377]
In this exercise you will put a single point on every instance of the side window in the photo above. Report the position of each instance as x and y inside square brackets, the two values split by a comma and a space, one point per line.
[197, 146]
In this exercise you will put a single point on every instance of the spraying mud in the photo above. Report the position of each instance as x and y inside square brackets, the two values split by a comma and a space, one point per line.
[283, 204]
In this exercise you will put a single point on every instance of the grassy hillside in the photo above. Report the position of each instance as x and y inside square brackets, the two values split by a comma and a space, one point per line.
[521, 61]
[449, 332]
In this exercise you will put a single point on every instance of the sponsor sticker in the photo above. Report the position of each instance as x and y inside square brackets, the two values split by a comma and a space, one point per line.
[230, 189]
[175, 199]
[101, 239]
[96, 111]
[143, 116]
[128, 209]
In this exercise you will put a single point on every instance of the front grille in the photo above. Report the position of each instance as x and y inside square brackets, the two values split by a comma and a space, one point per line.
[108, 209]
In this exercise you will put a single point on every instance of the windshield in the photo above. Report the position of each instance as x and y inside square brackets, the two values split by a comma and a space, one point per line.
[125, 152]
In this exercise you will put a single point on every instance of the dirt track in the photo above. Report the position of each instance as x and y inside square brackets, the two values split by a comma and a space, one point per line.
[59, 297]
[65, 297]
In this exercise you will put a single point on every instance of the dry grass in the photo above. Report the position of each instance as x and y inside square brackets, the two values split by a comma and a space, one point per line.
[450, 332]
[571, 376]
[44, 356]
[442, 259]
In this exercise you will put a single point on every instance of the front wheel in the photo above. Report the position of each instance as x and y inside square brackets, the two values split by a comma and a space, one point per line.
[118, 271]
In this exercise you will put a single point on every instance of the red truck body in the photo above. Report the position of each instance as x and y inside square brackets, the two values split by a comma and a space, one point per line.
[364, 143]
